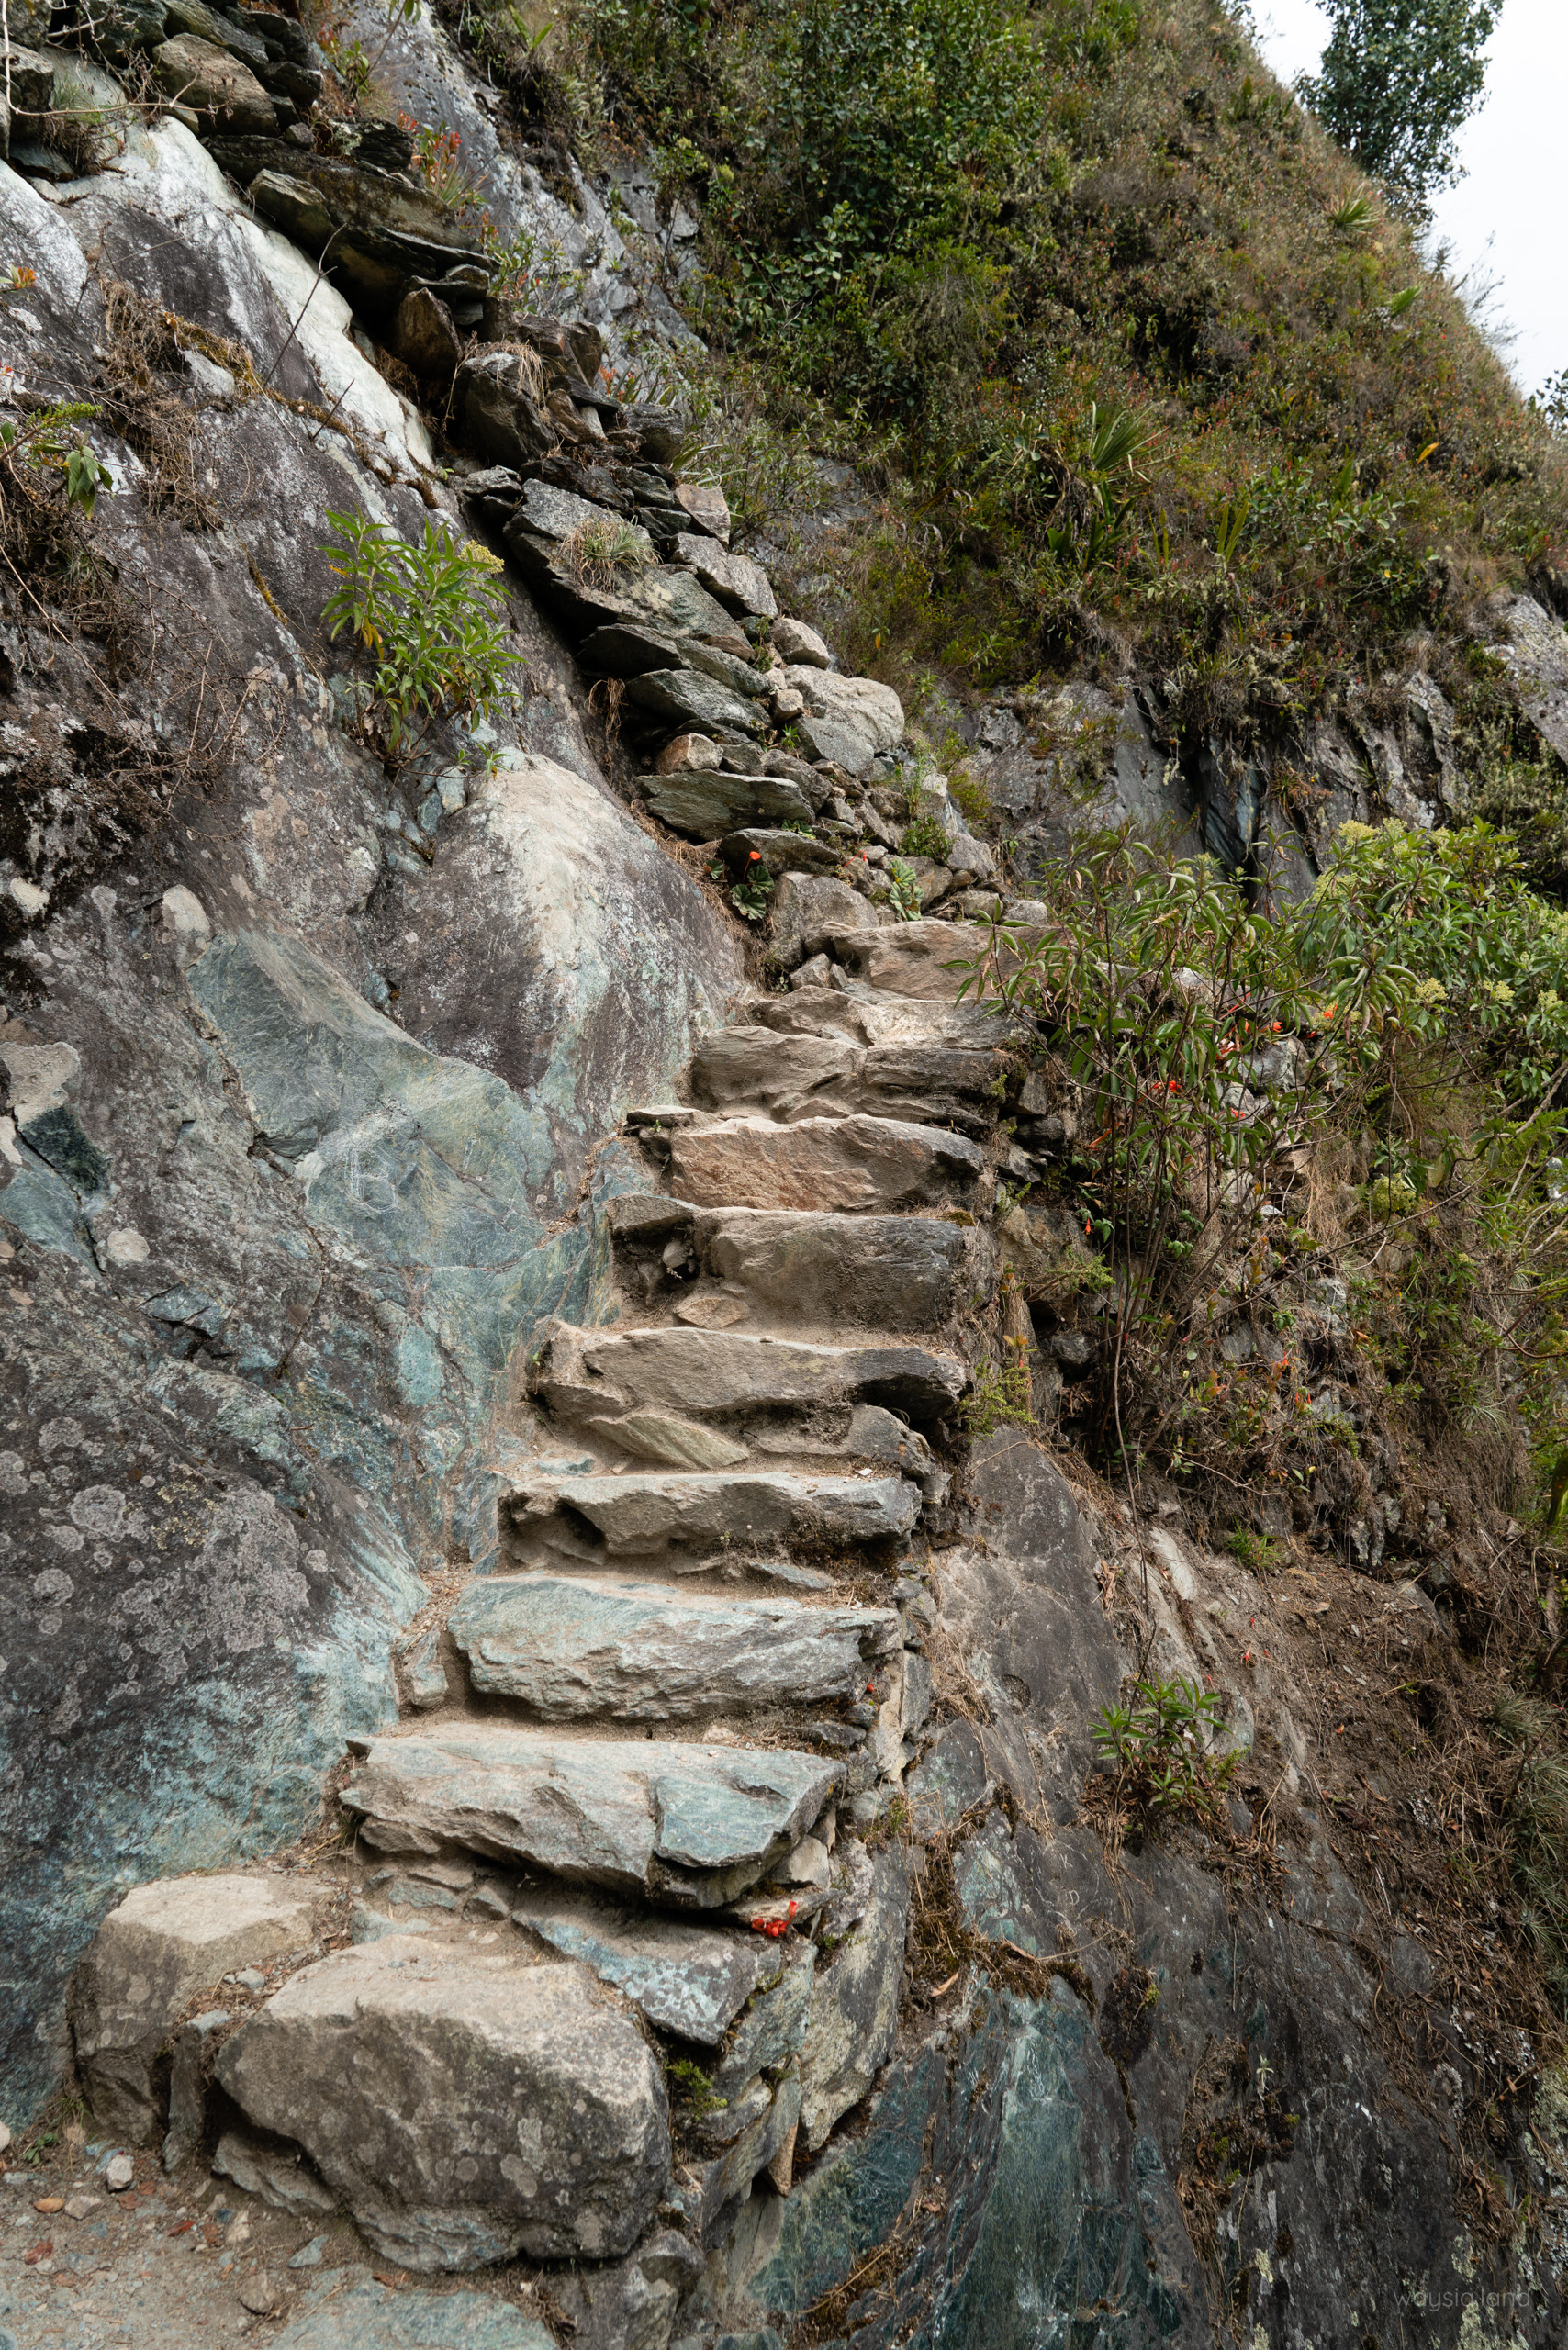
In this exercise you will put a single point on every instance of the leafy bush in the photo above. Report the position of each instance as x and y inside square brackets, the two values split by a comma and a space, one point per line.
[1162, 1748]
[428, 621]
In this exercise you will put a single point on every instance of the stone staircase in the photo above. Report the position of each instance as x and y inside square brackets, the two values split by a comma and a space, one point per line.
[633, 1816]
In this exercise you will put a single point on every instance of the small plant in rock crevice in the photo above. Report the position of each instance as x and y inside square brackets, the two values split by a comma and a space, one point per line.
[903, 890]
[1160, 1749]
[429, 622]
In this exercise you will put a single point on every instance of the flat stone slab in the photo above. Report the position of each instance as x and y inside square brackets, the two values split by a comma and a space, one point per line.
[688, 1979]
[162, 1943]
[860, 1164]
[717, 1373]
[468, 2104]
[678, 1521]
[797, 1076]
[869, 1017]
[684, 698]
[923, 959]
[878, 1273]
[684, 1823]
[571, 1648]
[706, 804]
[374, 2317]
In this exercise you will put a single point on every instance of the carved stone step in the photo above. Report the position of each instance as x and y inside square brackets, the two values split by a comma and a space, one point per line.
[713, 1374]
[692, 1826]
[866, 1015]
[687, 1978]
[865, 1164]
[920, 958]
[877, 1272]
[680, 1522]
[578, 1649]
[794, 1077]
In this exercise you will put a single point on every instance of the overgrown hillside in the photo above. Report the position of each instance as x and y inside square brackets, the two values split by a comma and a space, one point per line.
[1144, 368]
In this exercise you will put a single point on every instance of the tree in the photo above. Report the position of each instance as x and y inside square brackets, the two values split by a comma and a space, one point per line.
[1398, 79]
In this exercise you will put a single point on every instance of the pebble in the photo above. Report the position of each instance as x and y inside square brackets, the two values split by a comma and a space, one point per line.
[250, 1979]
[119, 2174]
[310, 2254]
[80, 2206]
[256, 2295]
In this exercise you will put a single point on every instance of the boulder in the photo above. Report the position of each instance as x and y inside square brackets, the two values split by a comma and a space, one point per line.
[808, 911]
[499, 401]
[836, 740]
[688, 1825]
[861, 1164]
[424, 336]
[717, 1374]
[742, 586]
[678, 1521]
[164, 1942]
[661, 431]
[187, 2086]
[468, 2104]
[687, 1978]
[577, 1648]
[697, 753]
[864, 704]
[215, 85]
[707, 507]
[685, 698]
[375, 233]
[854, 2004]
[706, 805]
[797, 643]
[781, 853]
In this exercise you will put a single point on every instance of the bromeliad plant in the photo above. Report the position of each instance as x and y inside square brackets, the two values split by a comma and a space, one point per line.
[429, 623]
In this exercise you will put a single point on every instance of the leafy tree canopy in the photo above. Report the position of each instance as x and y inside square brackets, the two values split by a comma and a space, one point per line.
[1398, 79]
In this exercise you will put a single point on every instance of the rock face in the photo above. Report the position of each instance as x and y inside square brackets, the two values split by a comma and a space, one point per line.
[465, 2108]
[583, 1649]
[162, 1943]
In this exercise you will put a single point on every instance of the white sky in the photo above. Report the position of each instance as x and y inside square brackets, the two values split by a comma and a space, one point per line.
[1510, 149]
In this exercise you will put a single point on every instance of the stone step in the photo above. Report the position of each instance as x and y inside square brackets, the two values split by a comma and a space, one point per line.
[711, 1374]
[689, 1825]
[927, 960]
[875, 1272]
[468, 2104]
[680, 1521]
[689, 1979]
[801, 1076]
[869, 1015]
[863, 1165]
[576, 1647]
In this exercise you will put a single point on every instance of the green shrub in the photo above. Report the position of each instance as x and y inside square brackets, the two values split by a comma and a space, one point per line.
[429, 622]
[1162, 1751]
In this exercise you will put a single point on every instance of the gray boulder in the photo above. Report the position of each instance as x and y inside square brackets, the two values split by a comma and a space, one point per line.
[214, 84]
[734, 579]
[467, 2105]
[808, 912]
[705, 805]
[164, 1942]
[863, 705]
[780, 853]
[796, 641]
[836, 740]
[690, 1825]
[685, 698]
[573, 1648]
